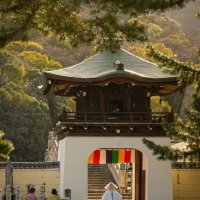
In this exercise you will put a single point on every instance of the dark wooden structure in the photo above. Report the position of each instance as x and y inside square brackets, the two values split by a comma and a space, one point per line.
[112, 93]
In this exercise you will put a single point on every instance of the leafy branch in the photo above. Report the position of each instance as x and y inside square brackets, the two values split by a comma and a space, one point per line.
[188, 73]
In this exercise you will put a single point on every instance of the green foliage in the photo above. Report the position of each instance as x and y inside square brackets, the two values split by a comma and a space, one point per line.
[6, 147]
[163, 152]
[141, 50]
[157, 106]
[11, 73]
[20, 46]
[165, 25]
[25, 67]
[160, 47]
[188, 131]
[68, 103]
[35, 61]
[35, 64]
[188, 73]
[154, 31]
[25, 121]
[24, 116]
[167, 37]
[69, 20]
[16, 18]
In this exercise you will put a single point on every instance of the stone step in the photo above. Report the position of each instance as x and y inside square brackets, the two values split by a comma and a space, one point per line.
[100, 197]
[95, 191]
[98, 177]
[100, 172]
[98, 168]
[106, 180]
[96, 172]
[100, 181]
[101, 193]
[101, 185]
[96, 180]
[95, 187]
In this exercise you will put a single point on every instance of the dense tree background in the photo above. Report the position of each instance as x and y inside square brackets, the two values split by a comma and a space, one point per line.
[58, 34]
[187, 130]
[79, 21]
[24, 112]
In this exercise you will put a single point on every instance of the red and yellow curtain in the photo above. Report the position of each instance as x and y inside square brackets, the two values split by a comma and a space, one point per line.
[108, 156]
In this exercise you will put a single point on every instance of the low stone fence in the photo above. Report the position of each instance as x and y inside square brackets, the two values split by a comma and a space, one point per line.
[16, 194]
[45, 176]
[38, 174]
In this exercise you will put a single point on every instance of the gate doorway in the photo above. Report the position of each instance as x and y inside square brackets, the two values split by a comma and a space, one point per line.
[124, 167]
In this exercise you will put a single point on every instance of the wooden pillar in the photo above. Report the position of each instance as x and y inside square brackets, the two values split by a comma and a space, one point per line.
[128, 101]
[138, 175]
[143, 184]
[102, 101]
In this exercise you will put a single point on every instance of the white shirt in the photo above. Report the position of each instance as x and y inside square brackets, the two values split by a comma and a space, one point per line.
[111, 195]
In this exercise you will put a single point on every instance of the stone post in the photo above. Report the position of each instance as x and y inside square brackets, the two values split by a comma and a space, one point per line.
[8, 192]
[17, 193]
[42, 193]
[9, 175]
[1, 194]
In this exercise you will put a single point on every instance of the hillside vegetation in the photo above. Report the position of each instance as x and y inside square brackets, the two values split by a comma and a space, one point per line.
[24, 114]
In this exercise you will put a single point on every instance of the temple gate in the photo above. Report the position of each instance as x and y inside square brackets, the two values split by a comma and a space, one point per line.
[111, 95]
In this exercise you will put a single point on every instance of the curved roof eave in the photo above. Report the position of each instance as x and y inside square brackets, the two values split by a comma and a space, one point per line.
[103, 77]
[102, 66]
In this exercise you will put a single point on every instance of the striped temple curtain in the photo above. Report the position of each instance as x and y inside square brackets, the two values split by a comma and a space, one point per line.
[109, 156]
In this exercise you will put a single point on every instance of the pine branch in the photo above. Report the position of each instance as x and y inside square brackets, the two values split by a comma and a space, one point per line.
[188, 73]
[173, 63]
[163, 152]
[6, 147]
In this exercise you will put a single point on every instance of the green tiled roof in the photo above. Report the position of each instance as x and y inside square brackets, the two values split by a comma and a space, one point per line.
[102, 66]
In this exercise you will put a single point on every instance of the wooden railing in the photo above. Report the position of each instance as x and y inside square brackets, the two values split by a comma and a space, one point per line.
[139, 117]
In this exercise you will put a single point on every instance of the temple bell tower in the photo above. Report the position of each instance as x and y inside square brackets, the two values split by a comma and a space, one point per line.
[112, 110]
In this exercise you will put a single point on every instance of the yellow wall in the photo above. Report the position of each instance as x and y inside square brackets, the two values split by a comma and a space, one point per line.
[36, 177]
[186, 183]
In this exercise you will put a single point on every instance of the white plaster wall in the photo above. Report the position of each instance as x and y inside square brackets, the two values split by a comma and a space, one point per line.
[62, 158]
[74, 153]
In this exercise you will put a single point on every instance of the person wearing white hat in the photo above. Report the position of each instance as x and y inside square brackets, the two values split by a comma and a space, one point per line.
[111, 193]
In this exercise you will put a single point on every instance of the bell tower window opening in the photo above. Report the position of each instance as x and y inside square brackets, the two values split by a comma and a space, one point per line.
[115, 105]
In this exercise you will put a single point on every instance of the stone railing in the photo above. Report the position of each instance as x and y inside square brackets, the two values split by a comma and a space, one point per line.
[114, 173]
[16, 193]
[148, 117]
[31, 165]
[185, 165]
